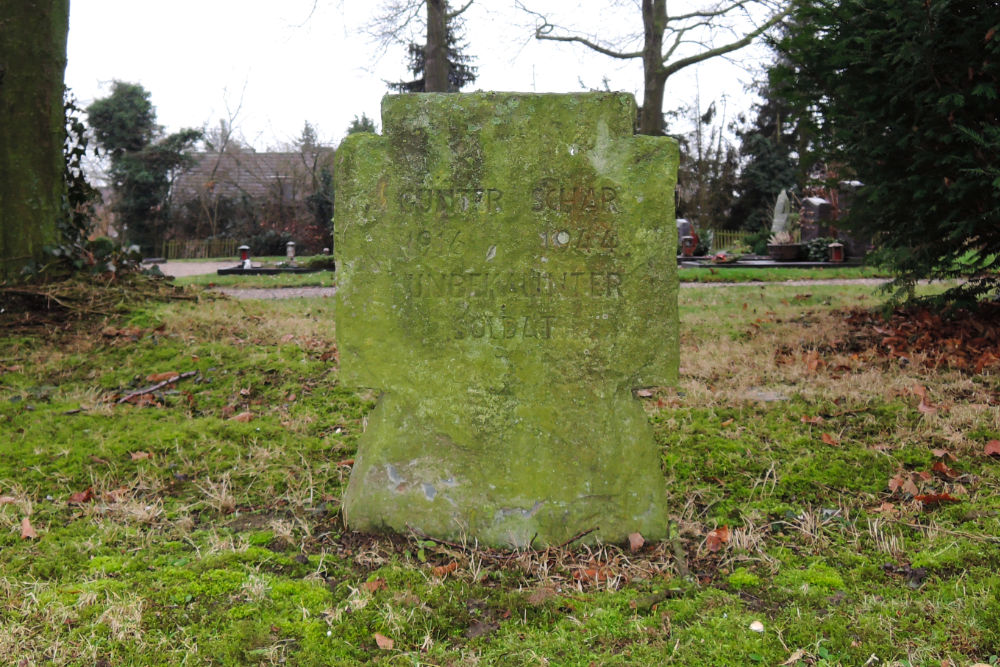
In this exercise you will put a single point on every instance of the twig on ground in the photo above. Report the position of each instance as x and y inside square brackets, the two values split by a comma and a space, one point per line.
[581, 534]
[158, 385]
[675, 542]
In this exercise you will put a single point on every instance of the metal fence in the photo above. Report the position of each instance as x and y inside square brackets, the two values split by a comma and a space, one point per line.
[727, 239]
[724, 239]
[196, 249]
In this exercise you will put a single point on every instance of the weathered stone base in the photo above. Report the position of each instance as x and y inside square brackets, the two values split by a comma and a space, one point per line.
[549, 484]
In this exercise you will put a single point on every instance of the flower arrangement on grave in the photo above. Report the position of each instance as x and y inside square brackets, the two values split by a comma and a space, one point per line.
[782, 247]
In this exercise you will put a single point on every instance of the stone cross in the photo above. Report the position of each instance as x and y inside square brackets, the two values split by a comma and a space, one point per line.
[506, 275]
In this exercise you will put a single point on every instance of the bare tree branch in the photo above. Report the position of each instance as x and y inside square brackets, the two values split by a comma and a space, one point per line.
[543, 30]
[678, 65]
[458, 12]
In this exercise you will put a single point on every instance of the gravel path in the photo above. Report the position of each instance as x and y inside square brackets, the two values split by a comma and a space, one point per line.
[184, 269]
[320, 292]
[276, 292]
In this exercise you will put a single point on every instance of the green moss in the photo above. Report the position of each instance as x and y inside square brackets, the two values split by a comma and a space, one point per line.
[499, 302]
[816, 576]
[743, 578]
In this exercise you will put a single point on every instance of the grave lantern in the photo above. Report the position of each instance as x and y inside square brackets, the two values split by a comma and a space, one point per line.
[836, 252]
[290, 251]
[244, 256]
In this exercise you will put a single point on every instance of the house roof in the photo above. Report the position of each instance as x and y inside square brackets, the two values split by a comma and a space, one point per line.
[236, 173]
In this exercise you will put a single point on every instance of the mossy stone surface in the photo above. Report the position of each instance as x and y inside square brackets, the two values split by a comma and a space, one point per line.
[506, 277]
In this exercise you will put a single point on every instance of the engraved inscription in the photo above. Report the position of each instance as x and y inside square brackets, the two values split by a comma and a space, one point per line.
[447, 202]
[471, 284]
[550, 195]
[488, 325]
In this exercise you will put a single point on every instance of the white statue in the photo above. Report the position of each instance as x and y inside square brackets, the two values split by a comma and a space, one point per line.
[782, 214]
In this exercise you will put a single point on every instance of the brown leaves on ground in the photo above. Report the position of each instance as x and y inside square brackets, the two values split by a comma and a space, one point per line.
[374, 585]
[162, 377]
[593, 574]
[140, 456]
[924, 406]
[965, 340]
[635, 542]
[81, 497]
[829, 439]
[443, 571]
[717, 539]
[242, 417]
[384, 642]
[992, 448]
[27, 530]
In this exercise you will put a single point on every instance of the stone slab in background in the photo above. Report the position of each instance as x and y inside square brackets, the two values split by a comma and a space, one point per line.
[506, 276]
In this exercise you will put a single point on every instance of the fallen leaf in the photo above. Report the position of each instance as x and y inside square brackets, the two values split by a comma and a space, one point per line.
[992, 448]
[141, 456]
[812, 361]
[635, 542]
[920, 390]
[942, 467]
[242, 417]
[288, 338]
[886, 508]
[374, 585]
[936, 498]
[904, 484]
[794, 658]
[4, 500]
[384, 642]
[717, 538]
[728, 422]
[644, 393]
[347, 463]
[27, 531]
[98, 459]
[943, 454]
[811, 420]
[591, 574]
[116, 495]
[926, 408]
[160, 377]
[443, 571]
[81, 497]
[829, 439]
[757, 626]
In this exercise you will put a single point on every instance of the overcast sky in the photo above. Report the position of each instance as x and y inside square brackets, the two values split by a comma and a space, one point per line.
[277, 64]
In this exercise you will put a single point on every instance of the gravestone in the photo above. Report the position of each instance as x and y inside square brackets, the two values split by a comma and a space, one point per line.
[816, 218]
[506, 276]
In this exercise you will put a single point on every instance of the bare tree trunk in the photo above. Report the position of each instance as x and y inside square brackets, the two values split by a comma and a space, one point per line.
[435, 53]
[654, 22]
[32, 128]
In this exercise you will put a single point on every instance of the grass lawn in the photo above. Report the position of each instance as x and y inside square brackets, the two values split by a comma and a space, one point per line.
[199, 524]
[699, 275]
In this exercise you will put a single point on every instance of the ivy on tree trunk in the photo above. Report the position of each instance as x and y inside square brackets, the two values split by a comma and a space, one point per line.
[32, 128]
